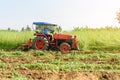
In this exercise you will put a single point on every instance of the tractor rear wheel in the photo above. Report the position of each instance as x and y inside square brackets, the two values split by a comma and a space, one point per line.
[40, 43]
[65, 47]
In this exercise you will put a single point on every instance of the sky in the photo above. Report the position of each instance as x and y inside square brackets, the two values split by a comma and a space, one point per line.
[16, 14]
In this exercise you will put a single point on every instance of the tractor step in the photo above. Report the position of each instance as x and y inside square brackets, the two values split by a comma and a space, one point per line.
[52, 44]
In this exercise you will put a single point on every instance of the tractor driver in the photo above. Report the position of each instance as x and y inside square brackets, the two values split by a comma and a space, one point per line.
[46, 31]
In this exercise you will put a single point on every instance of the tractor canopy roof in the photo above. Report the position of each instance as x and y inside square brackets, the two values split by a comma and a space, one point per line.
[44, 23]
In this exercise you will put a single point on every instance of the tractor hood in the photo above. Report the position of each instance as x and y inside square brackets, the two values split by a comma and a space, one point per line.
[62, 36]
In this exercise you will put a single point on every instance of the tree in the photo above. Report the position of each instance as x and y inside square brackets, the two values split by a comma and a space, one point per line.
[8, 29]
[118, 16]
[28, 28]
[22, 29]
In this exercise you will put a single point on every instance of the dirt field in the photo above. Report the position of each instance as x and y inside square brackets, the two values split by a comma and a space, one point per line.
[42, 66]
[40, 75]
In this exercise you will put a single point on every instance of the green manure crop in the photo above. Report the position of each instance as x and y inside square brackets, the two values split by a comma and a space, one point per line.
[97, 39]
[12, 39]
[107, 39]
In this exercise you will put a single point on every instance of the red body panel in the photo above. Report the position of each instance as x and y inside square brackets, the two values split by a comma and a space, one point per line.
[62, 36]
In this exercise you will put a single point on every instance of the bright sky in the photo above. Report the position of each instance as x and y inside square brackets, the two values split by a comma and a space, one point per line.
[67, 13]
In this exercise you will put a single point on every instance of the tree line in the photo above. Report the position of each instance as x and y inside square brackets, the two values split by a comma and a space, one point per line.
[28, 28]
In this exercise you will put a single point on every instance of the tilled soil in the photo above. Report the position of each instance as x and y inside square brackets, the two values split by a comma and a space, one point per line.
[10, 70]
[40, 75]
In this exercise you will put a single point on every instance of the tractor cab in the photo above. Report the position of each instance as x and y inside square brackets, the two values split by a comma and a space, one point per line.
[44, 25]
[44, 29]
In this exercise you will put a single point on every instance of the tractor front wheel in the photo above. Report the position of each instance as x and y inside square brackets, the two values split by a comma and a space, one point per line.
[40, 43]
[65, 47]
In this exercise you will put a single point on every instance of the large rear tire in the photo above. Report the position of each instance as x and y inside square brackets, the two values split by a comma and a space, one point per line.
[40, 43]
[65, 47]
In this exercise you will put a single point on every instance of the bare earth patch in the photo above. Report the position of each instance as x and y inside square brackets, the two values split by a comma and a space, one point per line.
[39, 75]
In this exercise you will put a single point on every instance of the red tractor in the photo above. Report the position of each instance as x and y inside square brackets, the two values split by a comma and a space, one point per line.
[44, 41]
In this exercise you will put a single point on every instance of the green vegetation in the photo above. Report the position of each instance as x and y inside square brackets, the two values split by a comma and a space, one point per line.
[99, 53]
[88, 39]
[12, 39]
[98, 39]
